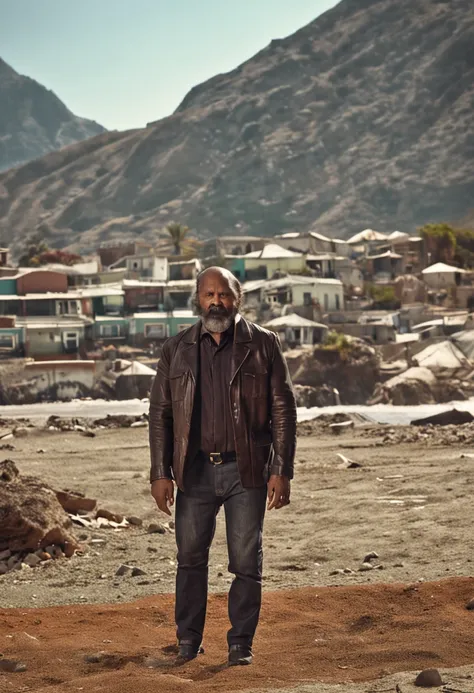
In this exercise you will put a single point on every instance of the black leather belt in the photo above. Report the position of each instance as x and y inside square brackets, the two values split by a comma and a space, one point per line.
[217, 458]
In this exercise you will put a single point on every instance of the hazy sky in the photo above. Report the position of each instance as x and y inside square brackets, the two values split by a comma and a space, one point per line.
[127, 62]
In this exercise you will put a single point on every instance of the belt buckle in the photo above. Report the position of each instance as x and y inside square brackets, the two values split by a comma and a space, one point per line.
[215, 458]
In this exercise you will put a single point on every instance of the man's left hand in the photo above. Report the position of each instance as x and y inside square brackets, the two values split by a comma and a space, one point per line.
[278, 492]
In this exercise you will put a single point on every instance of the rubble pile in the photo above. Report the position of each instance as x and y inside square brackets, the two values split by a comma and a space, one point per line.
[429, 435]
[323, 396]
[353, 372]
[37, 522]
[31, 519]
[325, 422]
[58, 423]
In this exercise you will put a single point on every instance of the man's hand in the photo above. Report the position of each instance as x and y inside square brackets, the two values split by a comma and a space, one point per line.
[278, 492]
[162, 491]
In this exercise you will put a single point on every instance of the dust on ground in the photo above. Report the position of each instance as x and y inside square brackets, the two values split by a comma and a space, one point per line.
[408, 503]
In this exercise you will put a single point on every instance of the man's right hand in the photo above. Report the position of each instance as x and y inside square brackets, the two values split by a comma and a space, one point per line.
[162, 491]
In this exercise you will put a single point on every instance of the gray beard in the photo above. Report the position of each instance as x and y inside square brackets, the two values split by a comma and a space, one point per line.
[215, 324]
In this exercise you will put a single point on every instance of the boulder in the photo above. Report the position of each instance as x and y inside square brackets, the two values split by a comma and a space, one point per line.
[31, 516]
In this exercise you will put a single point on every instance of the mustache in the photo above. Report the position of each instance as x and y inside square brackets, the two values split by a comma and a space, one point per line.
[217, 310]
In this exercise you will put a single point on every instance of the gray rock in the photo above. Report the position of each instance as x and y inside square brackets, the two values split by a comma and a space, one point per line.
[134, 520]
[156, 528]
[365, 567]
[338, 571]
[3, 568]
[123, 569]
[12, 666]
[21, 432]
[32, 560]
[429, 678]
[5, 554]
[138, 572]
[370, 556]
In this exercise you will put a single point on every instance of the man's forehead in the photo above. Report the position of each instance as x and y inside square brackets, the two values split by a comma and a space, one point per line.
[214, 280]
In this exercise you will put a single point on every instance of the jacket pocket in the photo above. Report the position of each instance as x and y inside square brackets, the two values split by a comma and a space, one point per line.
[255, 384]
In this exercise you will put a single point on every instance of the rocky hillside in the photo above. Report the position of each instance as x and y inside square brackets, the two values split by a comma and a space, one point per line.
[33, 121]
[362, 118]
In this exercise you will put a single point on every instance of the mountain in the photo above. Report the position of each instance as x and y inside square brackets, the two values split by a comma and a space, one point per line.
[362, 118]
[33, 121]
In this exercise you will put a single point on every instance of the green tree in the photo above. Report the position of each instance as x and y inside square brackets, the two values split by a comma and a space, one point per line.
[178, 233]
[439, 242]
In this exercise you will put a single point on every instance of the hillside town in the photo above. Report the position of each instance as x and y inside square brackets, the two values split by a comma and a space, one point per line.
[95, 327]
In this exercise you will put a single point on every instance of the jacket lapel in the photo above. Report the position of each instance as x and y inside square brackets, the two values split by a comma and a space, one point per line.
[240, 352]
[190, 349]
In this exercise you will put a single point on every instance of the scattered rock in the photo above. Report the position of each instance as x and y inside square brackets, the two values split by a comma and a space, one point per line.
[75, 502]
[133, 520]
[20, 432]
[370, 556]
[12, 666]
[3, 568]
[111, 517]
[123, 569]
[137, 572]
[445, 418]
[32, 560]
[429, 678]
[156, 528]
[40, 451]
[365, 567]
[338, 571]
[5, 554]
[470, 605]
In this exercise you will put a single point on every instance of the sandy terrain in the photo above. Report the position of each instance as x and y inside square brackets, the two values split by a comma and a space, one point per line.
[409, 503]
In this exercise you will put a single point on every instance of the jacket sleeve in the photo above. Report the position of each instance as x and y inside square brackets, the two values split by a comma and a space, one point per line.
[283, 412]
[161, 421]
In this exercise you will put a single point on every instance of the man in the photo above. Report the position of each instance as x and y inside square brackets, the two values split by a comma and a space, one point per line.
[223, 427]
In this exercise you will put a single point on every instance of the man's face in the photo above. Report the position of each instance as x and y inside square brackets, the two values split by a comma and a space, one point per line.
[217, 302]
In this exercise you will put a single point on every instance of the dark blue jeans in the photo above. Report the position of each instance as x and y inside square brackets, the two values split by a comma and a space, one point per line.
[207, 487]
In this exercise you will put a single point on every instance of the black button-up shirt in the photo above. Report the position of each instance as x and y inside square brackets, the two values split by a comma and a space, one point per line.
[215, 375]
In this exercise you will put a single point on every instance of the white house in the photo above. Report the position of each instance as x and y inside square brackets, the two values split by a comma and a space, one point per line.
[295, 330]
[298, 291]
[442, 276]
[144, 266]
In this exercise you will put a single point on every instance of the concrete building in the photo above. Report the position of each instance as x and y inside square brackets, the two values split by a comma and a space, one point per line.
[262, 264]
[313, 243]
[441, 276]
[233, 245]
[145, 266]
[324, 294]
[146, 328]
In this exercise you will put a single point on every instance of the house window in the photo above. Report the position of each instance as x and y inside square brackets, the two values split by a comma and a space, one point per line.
[67, 308]
[181, 328]
[71, 341]
[326, 302]
[307, 298]
[156, 331]
[338, 302]
[7, 341]
[110, 331]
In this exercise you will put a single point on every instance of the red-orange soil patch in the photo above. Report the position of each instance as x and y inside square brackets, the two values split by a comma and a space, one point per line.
[330, 634]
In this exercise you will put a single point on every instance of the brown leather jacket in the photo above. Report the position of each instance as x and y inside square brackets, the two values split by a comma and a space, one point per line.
[262, 400]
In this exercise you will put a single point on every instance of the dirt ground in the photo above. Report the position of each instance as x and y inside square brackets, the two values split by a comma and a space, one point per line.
[410, 503]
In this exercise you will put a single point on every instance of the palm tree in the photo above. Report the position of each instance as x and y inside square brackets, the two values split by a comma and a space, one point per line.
[178, 233]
